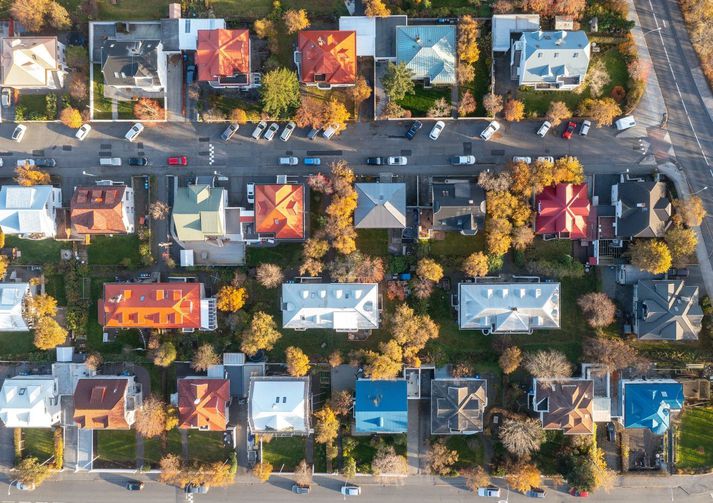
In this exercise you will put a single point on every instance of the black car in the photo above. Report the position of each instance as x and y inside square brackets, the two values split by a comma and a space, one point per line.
[134, 485]
[138, 161]
[375, 161]
[413, 129]
[45, 163]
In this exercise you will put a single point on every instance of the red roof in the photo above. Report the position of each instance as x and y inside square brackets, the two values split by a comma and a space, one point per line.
[222, 53]
[202, 402]
[279, 210]
[99, 404]
[328, 56]
[563, 209]
[98, 210]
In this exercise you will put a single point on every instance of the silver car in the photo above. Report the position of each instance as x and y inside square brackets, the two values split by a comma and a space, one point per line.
[271, 131]
[261, 126]
[287, 132]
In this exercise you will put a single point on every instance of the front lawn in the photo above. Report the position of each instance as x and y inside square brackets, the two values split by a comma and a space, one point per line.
[284, 453]
[113, 250]
[695, 439]
[423, 99]
[15, 344]
[470, 450]
[374, 242]
[38, 442]
[36, 252]
[115, 448]
[102, 106]
[35, 107]
[207, 446]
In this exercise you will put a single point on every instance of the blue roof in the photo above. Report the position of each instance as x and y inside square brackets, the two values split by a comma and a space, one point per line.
[648, 404]
[428, 51]
[381, 406]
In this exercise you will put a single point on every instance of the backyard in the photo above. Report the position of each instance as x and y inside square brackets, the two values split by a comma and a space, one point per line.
[253, 9]
[694, 449]
[35, 252]
[423, 99]
[110, 250]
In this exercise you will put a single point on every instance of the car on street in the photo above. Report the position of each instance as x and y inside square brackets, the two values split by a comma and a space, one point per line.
[6, 97]
[178, 160]
[437, 130]
[311, 161]
[569, 130]
[25, 487]
[397, 160]
[134, 485]
[415, 126]
[535, 492]
[196, 489]
[250, 190]
[289, 161]
[351, 490]
[271, 131]
[375, 161]
[134, 132]
[110, 161]
[138, 161]
[586, 126]
[489, 131]
[19, 133]
[522, 158]
[578, 494]
[544, 128]
[545, 158]
[45, 162]
[287, 132]
[489, 491]
[82, 132]
[298, 489]
[25, 162]
[261, 126]
[229, 132]
[462, 160]
[625, 123]
[330, 131]
[313, 133]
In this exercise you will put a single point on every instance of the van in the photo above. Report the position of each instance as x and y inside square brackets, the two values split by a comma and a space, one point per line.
[544, 128]
[110, 161]
[625, 123]
[330, 131]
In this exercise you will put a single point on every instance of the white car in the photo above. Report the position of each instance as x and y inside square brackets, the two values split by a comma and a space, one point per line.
[489, 131]
[330, 131]
[351, 490]
[625, 123]
[544, 128]
[19, 133]
[586, 125]
[82, 132]
[287, 132]
[520, 158]
[251, 192]
[261, 126]
[25, 162]
[397, 160]
[270, 133]
[462, 160]
[25, 487]
[6, 97]
[546, 158]
[437, 130]
[134, 132]
[289, 161]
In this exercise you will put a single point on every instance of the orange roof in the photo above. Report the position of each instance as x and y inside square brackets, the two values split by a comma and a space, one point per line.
[99, 404]
[152, 305]
[222, 53]
[328, 56]
[98, 210]
[202, 402]
[279, 210]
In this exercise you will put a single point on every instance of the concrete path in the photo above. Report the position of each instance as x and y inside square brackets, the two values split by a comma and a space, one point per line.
[7, 448]
[139, 451]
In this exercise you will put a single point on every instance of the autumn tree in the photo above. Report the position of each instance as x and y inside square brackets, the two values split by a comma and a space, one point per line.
[375, 8]
[557, 112]
[70, 117]
[303, 474]
[269, 275]
[357, 268]
[158, 210]
[262, 471]
[335, 358]
[598, 309]
[497, 235]
[524, 477]
[467, 104]
[146, 109]
[386, 364]
[204, 357]
[151, 417]
[164, 355]
[602, 111]
[238, 116]
[28, 175]
[493, 104]
[475, 265]
[441, 459]
[93, 361]
[440, 108]
[412, 331]
[397, 81]
[613, 354]
[315, 248]
[521, 436]
[651, 255]
[311, 267]
[295, 20]
[522, 237]
[342, 403]
[681, 242]
[297, 361]
[387, 462]
[280, 93]
[689, 212]
[35, 15]
[326, 427]
[335, 113]
[550, 363]
[514, 110]
[361, 91]
[465, 74]
[78, 88]
[41, 305]
[261, 334]
[568, 169]
[510, 359]
[468, 33]
[476, 478]
[264, 28]
[322, 184]
[48, 333]
[495, 182]
[31, 472]
[429, 269]
[231, 299]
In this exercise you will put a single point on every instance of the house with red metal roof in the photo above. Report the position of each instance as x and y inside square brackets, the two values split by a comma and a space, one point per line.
[326, 58]
[223, 58]
[563, 211]
[107, 402]
[280, 211]
[203, 403]
[102, 210]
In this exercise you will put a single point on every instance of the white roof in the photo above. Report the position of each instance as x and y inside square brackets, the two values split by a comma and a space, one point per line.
[505, 24]
[186, 258]
[27, 402]
[365, 28]
[340, 306]
[279, 404]
[508, 307]
[188, 31]
[29, 61]
[11, 295]
[23, 210]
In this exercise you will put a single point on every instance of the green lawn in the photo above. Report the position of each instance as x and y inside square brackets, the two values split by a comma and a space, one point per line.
[374, 242]
[695, 439]
[115, 448]
[456, 244]
[132, 10]
[423, 99]
[38, 442]
[284, 254]
[363, 452]
[36, 252]
[54, 286]
[106, 250]
[102, 106]
[253, 9]
[35, 106]
[547, 459]
[284, 453]
[152, 452]
[207, 446]
[15, 344]
[470, 450]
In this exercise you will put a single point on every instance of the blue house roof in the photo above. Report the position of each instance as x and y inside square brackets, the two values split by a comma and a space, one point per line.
[648, 404]
[381, 406]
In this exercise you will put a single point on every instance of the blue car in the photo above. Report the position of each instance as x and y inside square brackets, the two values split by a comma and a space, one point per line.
[312, 161]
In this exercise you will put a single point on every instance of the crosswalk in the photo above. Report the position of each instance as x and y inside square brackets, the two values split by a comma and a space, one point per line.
[211, 154]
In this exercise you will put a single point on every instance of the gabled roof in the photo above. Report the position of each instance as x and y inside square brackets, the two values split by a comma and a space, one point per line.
[29, 402]
[381, 406]
[551, 56]
[338, 306]
[202, 403]
[327, 56]
[279, 405]
[11, 303]
[222, 53]
[458, 406]
[23, 209]
[643, 209]
[563, 209]
[648, 404]
[565, 404]
[280, 210]
[380, 206]
[131, 63]
[458, 205]
[28, 62]
[508, 307]
[199, 212]
[667, 310]
[428, 51]
[99, 404]
[98, 210]
[151, 305]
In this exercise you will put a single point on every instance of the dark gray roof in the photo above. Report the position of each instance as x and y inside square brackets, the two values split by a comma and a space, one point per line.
[458, 206]
[169, 34]
[457, 406]
[385, 44]
[131, 63]
[667, 310]
[380, 206]
[643, 210]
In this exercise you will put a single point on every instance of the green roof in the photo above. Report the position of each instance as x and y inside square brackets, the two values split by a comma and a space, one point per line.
[199, 212]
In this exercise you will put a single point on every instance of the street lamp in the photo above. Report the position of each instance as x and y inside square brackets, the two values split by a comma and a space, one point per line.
[86, 173]
[699, 191]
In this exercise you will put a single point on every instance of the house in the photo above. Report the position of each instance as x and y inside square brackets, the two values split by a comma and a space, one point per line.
[458, 206]
[565, 404]
[30, 402]
[506, 26]
[203, 403]
[381, 406]
[29, 212]
[326, 58]
[649, 404]
[550, 60]
[199, 212]
[239, 371]
[107, 402]
[642, 209]
[666, 310]
[380, 206]
[563, 211]
[180, 34]
[134, 67]
[602, 397]
[13, 316]
[429, 51]
[458, 406]
[33, 63]
[102, 209]
[501, 308]
[375, 36]
[223, 58]
[343, 307]
[280, 211]
[279, 405]
[158, 306]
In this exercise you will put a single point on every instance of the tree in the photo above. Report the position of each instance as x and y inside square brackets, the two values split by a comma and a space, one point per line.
[429, 269]
[48, 333]
[651, 255]
[158, 210]
[78, 58]
[475, 478]
[35, 14]
[598, 309]
[602, 111]
[384, 365]
[587, 469]
[393, 110]
[546, 364]
[297, 362]
[334, 112]
[681, 243]
[269, 275]
[440, 108]
[524, 477]
[468, 33]
[495, 182]
[568, 169]
[2, 239]
[465, 74]
[231, 299]
[349, 467]
[335, 358]
[689, 212]
[467, 104]
[361, 91]
[510, 359]
[151, 417]
[357, 268]
[71, 117]
[441, 459]
[521, 436]
[295, 20]
[375, 8]
[93, 361]
[397, 81]
[264, 28]
[326, 427]
[280, 93]
[503, 7]
[57, 16]
[42, 305]
[311, 267]
[613, 354]
[303, 474]
[412, 331]
[386, 461]
[30, 471]
[522, 237]
[497, 235]
[262, 471]
[78, 88]
[146, 109]
[493, 104]
[322, 184]
[27, 176]
[238, 116]
[262, 334]
[204, 357]
[342, 403]
[475, 265]
[514, 110]
[164, 355]
[4, 263]
[315, 248]
[557, 112]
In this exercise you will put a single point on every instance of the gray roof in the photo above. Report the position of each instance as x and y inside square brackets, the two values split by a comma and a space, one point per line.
[506, 24]
[458, 206]
[457, 406]
[131, 63]
[643, 209]
[667, 310]
[380, 206]
[428, 51]
[376, 36]
[554, 56]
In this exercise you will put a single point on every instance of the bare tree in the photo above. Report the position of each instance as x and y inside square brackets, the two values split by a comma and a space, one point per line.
[158, 210]
[269, 275]
[387, 462]
[548, 364]
[614, 354]
[303, 474]
[598, 309]
[521, 437]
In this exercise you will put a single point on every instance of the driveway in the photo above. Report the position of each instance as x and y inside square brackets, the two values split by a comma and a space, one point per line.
[174, 89]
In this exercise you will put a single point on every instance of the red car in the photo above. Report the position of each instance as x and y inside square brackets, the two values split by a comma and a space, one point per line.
[579, 494]
[567, 133]
[180, 160]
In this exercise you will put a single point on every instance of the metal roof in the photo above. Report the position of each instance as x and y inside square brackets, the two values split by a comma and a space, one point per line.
[505, 24]
[381, 406]
[551, 56]
[428, 51]
[279, 405]
[380, 206]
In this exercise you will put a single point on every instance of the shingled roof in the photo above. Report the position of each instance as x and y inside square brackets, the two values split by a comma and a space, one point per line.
[99, 404]
[565, 404]
[667, 310]
[327, 56]
[643, 209]
[202, 403]
[458, 406]
[98, 210]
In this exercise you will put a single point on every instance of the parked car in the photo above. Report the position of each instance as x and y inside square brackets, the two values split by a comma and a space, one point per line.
[138, 161]
[311, 161]
[134, 132]
[196, 489]
[611, 432]
[6, 97]
[351, 490]
[45, 162]
[110, 161]
[250, 190]
[229, 132]
[190, 74]
[271, 131]
[520, 158]
[584, 130]
[289, 161]
[261, 126]
[287, 132]
[397, 160]
[25, 162]
[134, 485]
[330, 131]
[19, 133]
[545, 158]
[579, 494]
[461, 160]
[25, 487]
[489, 491]
[535, 492]
[178, 160]
[375, 161]
[297, 489]
[437, 130]
[681, 272]
[82, 132]
[625, 123]
[415, 126]
[569, 130]
[489, 131]
[544, 128]
[313, 133]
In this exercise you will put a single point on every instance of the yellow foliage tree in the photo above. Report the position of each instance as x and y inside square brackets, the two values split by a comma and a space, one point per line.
[411, 332]
[514, 110]
[48, 333]
[475, 265]
[524, 477]
[42, 305]
[335, 113]
[429, 269]
[568, 169]
[384, 365]
[681, 242]
[27, 176]
[261, 334]
[522, 179]
[231, 299]
[376, 8]
[468, 32]
[651, 255]
[295, 20]
[602, 111]
[510, 359]
[71, 117]
[326, 427]
[262, 471]
[497, 236]
[238, 116]
[297, 361]
[689, 211]
[4, 262]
